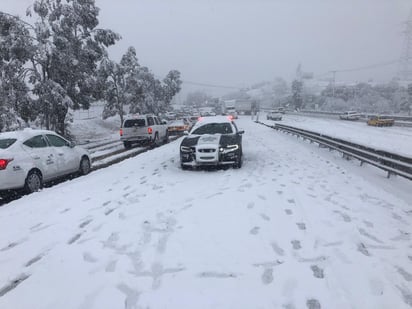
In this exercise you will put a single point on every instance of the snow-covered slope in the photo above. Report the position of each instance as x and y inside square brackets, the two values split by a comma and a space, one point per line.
[296, 227]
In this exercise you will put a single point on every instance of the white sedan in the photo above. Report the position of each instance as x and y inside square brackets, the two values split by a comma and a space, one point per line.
[28, 158]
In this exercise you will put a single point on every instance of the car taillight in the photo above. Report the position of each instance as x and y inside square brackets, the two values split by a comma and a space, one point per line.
[149, 130]
[121, 132]
[4, 163]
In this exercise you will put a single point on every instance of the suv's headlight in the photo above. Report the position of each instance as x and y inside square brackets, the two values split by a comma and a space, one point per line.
[229, 148]
[185, 149]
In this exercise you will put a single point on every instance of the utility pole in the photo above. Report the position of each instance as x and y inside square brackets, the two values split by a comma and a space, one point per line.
[333, 83]
[405, 61]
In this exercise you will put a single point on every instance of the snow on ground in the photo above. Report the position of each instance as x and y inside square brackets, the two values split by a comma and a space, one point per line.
[394, 139]
[296, 227]
[89, 127]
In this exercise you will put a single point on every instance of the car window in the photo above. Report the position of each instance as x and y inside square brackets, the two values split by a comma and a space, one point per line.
[6, 142]
[38, 141]
[156, 120]
[150, 121]
[130, 123]
[57, 141]
[214, 128]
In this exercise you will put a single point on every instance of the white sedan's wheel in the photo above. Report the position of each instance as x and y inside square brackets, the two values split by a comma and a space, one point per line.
[84, 166]
[34, 182]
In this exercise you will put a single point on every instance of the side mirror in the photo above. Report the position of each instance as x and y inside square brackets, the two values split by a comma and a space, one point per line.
[241, 132]
[163, 122]
[71, 144]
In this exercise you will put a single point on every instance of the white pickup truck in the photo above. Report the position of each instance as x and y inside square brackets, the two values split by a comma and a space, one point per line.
[143, 130]
[349, 115]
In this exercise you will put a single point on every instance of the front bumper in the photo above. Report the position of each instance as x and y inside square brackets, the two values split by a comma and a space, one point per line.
[208, 156]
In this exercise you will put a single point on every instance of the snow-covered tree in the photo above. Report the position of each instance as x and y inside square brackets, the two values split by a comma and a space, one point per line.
[118, 83]
[172, 85]
[16, 47]
[297, 95]
[65, 48]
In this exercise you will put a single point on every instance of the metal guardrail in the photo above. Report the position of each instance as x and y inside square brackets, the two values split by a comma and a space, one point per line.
[393, 164]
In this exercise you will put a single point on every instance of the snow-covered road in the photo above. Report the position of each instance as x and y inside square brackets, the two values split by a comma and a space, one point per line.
[296, 227]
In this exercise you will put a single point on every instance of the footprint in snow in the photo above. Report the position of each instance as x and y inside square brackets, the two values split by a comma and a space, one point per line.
[34, 260]
[255, 230]
[317, 271]
[288, 212]
[362, 248]
[89, 258]
[277, 249]
[406, 275]
[344, 216]
[296, 244]
[109, 211]
[265, 217]
[301, 226]
[267, 276]
[250, 205]
[313, 304]
[85, 223]
[74, 239]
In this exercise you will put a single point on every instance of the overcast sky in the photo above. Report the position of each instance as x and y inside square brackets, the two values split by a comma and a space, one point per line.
[240, 42]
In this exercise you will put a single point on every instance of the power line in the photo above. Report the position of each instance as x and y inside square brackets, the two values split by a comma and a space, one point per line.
[367, 67]
[206, 84]
[372, 66]
[210, 85]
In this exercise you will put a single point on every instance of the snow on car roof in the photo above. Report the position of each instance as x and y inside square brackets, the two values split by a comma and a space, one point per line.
[212, 119]
[24, 134]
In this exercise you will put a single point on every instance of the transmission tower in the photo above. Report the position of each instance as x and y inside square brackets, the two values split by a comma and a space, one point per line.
[405, 62]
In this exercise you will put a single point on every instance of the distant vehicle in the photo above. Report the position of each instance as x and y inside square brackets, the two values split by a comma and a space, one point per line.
[179, 127]
[213, 141]
[232, 112]
[274, 115]
[244, 107]
[280, 110]
[143, 130]
[170, 116]
[349, 115]
[29, 158]
[378, 121]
